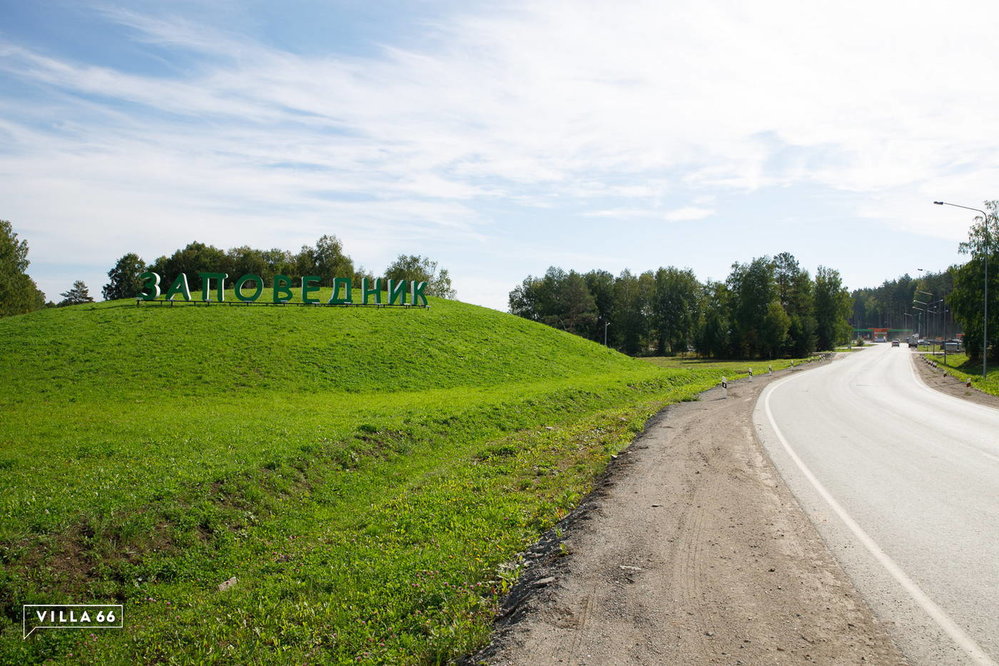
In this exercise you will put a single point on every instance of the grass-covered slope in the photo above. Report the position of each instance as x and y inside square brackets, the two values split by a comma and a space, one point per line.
[120, 350]
[364, 473]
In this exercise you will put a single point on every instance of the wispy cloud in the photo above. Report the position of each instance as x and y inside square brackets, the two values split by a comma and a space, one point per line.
[688, 213]
[626, 111]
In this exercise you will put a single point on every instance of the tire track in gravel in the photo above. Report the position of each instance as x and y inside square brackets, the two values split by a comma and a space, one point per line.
[691, 551]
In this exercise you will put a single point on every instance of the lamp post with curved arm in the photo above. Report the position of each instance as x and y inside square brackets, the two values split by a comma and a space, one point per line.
[985, 304]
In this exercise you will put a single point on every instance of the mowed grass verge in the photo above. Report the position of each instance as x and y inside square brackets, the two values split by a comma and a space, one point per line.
[726, 368]
[958, 365]
[367, 476]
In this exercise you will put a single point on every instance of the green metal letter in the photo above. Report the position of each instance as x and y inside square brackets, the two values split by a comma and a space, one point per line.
[282, 291]
[179, 286]
[206, 285]
[151, 288]
[342, 282]
[417, 292]
[310, 285]
[397, 292]
[375, 291]
[238, 287]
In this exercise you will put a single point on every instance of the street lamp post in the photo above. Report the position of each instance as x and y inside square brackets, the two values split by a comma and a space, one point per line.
[920, 335]
[934, 328]
[985, 304]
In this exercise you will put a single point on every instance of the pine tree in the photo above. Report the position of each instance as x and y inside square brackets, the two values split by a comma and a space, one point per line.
[78, 294]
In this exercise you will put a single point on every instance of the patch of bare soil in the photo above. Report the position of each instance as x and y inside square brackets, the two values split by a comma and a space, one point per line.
[937, 379]
[692, 551]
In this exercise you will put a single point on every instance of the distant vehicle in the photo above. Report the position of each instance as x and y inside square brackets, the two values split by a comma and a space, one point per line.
[952, 346]
[894, 343]
[912, 344]
[880, 338]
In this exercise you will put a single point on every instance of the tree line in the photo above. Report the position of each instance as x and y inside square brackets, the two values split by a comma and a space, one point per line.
[767, 308]
[19, 293]
[905, 302]
[326, 259]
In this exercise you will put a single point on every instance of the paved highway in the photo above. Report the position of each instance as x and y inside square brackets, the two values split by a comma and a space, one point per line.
[903, 483]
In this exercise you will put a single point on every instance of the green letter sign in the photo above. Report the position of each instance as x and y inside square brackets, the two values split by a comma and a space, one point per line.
[179, 286]
[418, 288]
[206, 281]
[371, 289]
[375, 291]
[151, 288]
[282, 291]
[348, 284]
[310, 285]
[397, 292]
[238, 287]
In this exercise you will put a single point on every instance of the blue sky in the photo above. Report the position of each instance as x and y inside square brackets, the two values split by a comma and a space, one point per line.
[499, 138]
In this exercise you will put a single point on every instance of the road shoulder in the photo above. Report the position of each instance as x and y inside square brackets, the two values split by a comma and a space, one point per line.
[692, 550]
[937, 379]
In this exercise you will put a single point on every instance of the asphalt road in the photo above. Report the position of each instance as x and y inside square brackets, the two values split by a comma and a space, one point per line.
[903, 484]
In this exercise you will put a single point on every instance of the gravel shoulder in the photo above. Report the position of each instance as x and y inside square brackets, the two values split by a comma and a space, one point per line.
[691, 551]
[941, 381]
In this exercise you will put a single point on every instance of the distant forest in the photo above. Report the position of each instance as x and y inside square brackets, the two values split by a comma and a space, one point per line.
[767, 308]
[908, 303]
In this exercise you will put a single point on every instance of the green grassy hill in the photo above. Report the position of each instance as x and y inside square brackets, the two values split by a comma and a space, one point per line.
[366, 474]
[113, 349]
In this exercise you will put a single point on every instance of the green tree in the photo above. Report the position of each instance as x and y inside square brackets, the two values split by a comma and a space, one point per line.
[982, 237]
[193, 259]
[78, 294]
[326, 259]
[601, 285]
[714, 331]
[245, 260]
[577, 308]
[752, 288]
[832, 309]
[18, 292]
[632, 311]
[525, 299]
[966, 302]
[416, 268]
[796, 295]
[277, 262]
[559, 299]
[968, 296]
[123, 278]
[774, 330]
[676, 309]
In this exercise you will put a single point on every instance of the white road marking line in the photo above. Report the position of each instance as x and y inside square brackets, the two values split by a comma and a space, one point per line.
[937, 614]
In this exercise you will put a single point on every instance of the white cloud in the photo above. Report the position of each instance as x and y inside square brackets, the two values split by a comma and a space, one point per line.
[643, 105]
[688, 213]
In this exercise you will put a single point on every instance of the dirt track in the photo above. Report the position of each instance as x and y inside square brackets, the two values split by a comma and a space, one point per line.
[691, 552]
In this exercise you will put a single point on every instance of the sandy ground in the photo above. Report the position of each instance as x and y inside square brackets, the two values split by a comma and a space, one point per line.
[691, 551]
